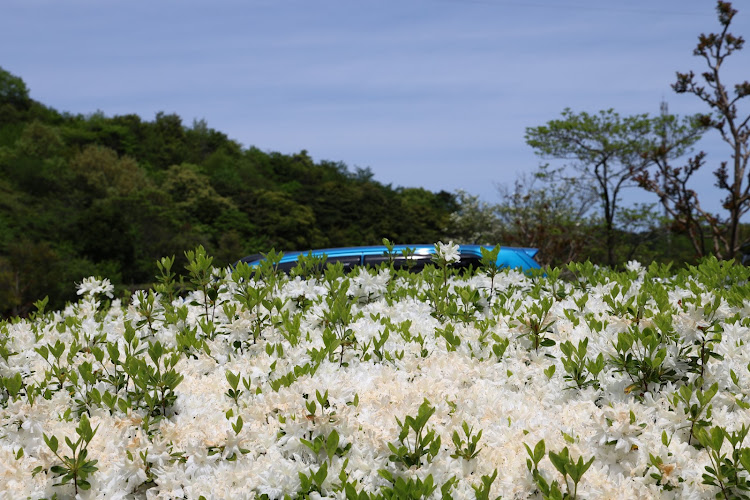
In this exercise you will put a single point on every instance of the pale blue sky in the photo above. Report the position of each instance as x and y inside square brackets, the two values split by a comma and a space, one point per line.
[432, 93]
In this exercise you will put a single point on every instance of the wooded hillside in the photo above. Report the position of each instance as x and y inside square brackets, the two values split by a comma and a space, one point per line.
[98, 195]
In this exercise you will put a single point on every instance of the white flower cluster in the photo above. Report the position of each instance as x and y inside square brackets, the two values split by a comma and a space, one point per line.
[368, 285]
[92, 287]
[449, 252]
[293, 411]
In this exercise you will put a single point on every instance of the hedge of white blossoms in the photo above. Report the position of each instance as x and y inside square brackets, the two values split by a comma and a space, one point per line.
[384, 384]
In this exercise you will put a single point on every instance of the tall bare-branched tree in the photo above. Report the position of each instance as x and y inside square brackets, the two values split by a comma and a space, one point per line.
[671, 183]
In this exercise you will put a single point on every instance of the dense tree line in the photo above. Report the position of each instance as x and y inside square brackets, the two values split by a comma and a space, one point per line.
[87, 195]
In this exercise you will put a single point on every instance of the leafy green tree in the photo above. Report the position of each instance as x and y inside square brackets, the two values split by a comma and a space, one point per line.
[164, 141]
[134, 231]
[10, 201]
[337, 210]
[191, 191]
[39, 140]
[33, 164]
[285, 223]
[13, 93]
[235, 174]
[26, 274]
[106, 174]
[202, 141]
[475, 221]
[609, 150]
[120, 133]
[422, 215]
[374, 212]
[604, 147]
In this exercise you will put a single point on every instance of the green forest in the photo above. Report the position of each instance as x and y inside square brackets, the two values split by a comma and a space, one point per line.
[96, 195]
[108, 196]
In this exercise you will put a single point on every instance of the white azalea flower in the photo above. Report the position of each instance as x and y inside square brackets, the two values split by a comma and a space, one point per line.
[199, 462]
[128, 474]
[447, 251]
[621, 426]
[367, 285]
[170, 483]
[634, 266]
[92, 286]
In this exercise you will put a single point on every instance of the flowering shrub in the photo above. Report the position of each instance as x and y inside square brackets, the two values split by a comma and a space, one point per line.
[384, 384]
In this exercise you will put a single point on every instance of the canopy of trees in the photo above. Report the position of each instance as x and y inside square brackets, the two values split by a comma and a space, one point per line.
[96, 195]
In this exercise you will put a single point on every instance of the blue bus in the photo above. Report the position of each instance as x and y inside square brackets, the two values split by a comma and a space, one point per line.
[418, 256]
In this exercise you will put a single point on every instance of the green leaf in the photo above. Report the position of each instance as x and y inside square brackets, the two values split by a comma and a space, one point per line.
[560, 460]
[13, 384]
[539, 450]
[233, 379]
[237, 426]
[332, 444]
[51, 442]
[717, 438]
[385, 474]
[578, 469]
[745, 458]
[321, 475]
